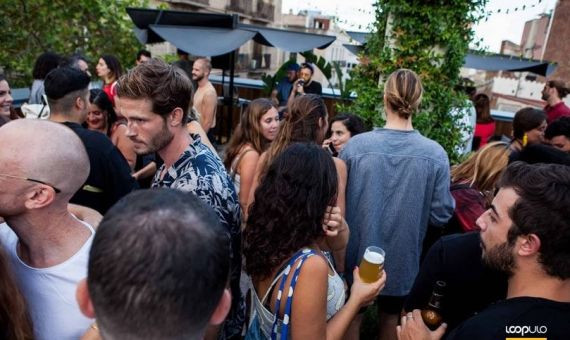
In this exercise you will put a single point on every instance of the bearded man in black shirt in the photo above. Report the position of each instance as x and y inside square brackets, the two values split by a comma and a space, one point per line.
[526, 235]
[305, 84]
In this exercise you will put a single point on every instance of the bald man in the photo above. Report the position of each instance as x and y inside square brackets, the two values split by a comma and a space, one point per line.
[205, 98]
[110, 177]
[42, 164]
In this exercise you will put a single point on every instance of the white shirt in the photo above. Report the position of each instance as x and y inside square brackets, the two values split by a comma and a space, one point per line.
[50, 292]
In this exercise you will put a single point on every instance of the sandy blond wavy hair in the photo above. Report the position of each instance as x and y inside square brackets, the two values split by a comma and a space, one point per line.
[483, 168]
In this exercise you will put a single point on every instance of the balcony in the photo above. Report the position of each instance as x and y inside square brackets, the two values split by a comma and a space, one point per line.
[265, 10]
[241, 6]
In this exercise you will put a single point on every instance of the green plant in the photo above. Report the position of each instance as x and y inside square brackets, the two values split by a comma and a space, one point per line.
[91, 27]
[430, 37]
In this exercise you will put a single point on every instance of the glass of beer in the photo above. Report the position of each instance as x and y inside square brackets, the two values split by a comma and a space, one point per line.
[371, 264]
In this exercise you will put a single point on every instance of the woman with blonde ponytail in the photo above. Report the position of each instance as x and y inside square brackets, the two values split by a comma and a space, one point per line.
[398, 183]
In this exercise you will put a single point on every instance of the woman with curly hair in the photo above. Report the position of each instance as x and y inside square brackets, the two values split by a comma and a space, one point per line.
[258, 127]
[306, 121]
[473, 184]
[46, 62]
[296, 292]
[342, 128]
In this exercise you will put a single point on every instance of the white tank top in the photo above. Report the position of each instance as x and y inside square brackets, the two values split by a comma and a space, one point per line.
[50, 292]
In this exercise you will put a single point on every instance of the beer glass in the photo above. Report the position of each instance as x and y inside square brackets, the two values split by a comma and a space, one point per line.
[371, 264]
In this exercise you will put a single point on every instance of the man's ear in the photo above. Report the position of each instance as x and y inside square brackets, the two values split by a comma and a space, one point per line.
[529, 245]
[80, 103]
[222, 309]
[176, 117]
[84, 300]
[39, 197]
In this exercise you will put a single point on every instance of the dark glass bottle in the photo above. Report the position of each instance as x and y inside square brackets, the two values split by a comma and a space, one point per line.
[431, 314]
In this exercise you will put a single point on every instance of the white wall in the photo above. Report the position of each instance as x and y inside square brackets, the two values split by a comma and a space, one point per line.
[518, 87]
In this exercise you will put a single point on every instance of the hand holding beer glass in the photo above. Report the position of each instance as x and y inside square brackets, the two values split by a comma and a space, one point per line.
[369, 278]
[372, 264]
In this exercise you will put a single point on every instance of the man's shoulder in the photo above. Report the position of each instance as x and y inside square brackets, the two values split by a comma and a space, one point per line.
[505, 318]
[90, 138]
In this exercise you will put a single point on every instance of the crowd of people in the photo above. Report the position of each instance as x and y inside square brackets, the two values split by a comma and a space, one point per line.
[122, 220]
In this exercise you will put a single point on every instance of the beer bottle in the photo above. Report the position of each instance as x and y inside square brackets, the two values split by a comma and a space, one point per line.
[431, 314]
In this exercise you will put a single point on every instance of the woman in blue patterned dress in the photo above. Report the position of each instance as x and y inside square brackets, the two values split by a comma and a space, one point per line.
[283, 246]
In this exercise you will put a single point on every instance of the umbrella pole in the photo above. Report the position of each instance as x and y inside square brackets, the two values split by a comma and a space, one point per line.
[231, 94]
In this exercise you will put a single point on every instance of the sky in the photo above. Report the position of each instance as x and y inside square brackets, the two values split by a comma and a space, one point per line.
[357, 15]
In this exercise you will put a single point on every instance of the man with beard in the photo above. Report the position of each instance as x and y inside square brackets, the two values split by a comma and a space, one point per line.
[553, 92]
[281, 93]
[526, 235]
[205, 98]
[155, 98]
[305, 84]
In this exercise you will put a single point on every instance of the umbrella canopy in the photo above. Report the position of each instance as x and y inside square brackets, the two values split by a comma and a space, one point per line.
[499, 62]
[216, 34]
[487, 62]
[203, 41]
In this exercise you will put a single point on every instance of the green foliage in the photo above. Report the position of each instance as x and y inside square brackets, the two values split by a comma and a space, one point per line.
[430, 37]
[92, 27]
[318, 61]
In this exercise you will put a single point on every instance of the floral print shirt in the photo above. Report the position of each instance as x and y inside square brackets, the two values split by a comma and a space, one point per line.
[201, 172]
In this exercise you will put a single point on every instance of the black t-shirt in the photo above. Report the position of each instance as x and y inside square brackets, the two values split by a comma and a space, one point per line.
[110, 175]
[521, 317]
[313, 87]
[471, 286]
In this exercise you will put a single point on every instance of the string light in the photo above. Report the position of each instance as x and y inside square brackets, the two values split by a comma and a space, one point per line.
[516, 9]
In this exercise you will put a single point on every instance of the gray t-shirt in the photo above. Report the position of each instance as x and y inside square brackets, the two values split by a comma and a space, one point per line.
[398, 182]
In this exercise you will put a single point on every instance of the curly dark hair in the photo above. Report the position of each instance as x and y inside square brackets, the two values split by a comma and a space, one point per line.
[46, 62]
[289, 207]
[353, 124]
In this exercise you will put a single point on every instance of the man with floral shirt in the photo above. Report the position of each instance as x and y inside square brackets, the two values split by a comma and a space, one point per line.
[155, 98]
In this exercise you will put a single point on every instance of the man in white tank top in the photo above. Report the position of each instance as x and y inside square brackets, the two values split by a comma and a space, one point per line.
[42, 164]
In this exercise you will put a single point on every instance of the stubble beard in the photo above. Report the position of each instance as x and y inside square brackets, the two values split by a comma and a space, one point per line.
[158, 141]
[500, 258]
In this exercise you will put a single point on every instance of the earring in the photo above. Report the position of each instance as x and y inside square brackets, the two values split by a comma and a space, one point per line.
[525, 140]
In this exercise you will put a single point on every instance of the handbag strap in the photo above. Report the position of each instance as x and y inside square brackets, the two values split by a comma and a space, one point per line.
[302, 255]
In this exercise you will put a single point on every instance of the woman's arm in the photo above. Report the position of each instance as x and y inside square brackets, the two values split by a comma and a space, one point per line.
[338, 243]
[342, 174]
[246, 170]
[194, 127]
[255, 182]
[308, 315]
[124, 144]
[147, 171]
